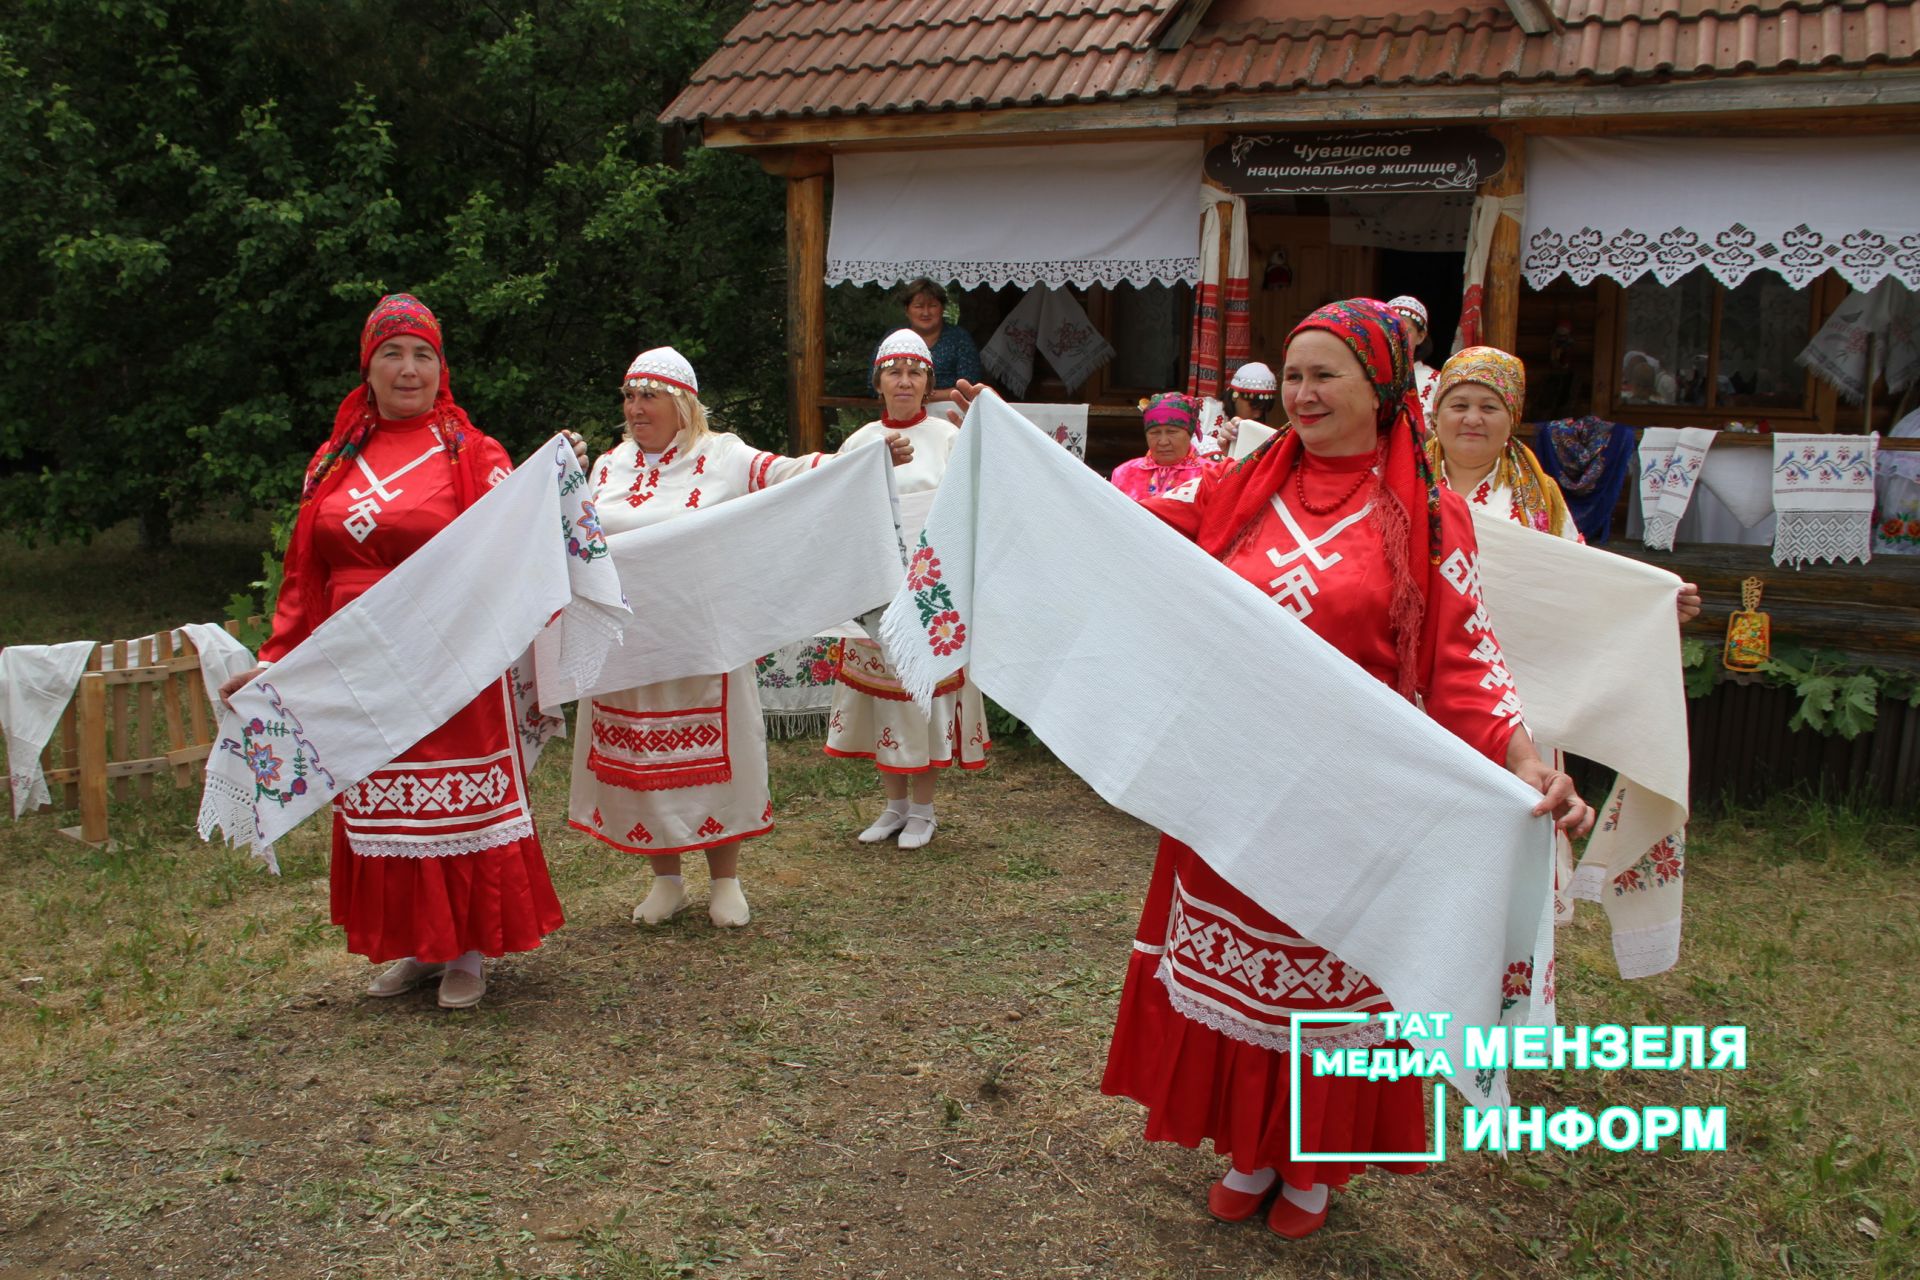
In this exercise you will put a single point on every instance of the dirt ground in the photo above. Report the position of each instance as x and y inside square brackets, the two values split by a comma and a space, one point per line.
[892, 1072]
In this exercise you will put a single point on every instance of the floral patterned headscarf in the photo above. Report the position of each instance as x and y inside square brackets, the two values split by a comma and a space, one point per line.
[1489, 367]
[1537, 500]
[1171, 409]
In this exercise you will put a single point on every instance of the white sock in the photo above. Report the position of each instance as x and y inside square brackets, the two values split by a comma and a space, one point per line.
[1312, 1201]
[1250, 1183]
[727, 902]
[667, 895]
[897, 805]
[472, 962]
[922, 811]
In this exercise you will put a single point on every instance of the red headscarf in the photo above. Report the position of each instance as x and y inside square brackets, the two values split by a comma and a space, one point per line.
[397, 315]
[1378, 339]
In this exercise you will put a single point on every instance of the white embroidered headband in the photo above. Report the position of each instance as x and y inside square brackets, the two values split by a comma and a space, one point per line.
[1408, 305]
[902, 346]
[663, 369]
[1254, 379]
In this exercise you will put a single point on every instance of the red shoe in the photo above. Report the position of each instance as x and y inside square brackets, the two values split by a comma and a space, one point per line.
[1288, 1219]
[1228, 1205]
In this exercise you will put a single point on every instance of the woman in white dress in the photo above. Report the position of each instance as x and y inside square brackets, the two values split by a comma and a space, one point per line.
[873, 718]
[679, 766]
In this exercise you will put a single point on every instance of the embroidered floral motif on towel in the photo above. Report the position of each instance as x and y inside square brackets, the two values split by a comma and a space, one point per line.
[282, 774]
[1823, 494]
[663, 750]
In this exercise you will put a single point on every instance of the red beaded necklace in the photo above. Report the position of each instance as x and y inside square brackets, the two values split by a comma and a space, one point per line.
[892, 424]
[1300, 487]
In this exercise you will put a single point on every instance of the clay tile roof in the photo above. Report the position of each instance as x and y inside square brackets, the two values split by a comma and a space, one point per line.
[798, 58]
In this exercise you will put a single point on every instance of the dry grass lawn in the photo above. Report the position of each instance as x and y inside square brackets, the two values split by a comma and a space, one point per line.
[893, 1072]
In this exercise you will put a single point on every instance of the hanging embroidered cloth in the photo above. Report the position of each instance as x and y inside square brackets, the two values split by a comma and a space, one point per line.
[1591, 640]
[1433, 906]
[718, 589]
[1051, 322]
[796, 686]
[1066, 423]
[1487, 212]
[1869, 336]
[417, 647]
[1670, 462]
[1222, 337]
[36, 684]
[1823, 495]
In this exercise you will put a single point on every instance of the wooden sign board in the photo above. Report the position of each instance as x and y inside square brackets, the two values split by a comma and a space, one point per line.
[1381, 161]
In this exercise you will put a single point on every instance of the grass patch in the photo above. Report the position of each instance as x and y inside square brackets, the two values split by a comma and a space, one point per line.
[894, 1071]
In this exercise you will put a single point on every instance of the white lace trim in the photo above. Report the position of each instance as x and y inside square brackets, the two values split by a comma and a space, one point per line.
[1659, 531]
[1362, 1035]
[227, 807]
[1641, 953]
[472, 842]
[1861, 255]
[1139, 272]
[1802, 537]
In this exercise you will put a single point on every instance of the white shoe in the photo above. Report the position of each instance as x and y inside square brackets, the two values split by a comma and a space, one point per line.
[885, 827]
[664, 901]
[727, 903]
[918, 831]
[401, 977]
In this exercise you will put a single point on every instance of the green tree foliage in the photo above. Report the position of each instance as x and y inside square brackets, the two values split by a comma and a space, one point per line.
[200, 201]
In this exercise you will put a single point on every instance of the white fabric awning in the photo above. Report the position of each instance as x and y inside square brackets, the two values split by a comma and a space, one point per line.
[1622, 207]
[1095, 213]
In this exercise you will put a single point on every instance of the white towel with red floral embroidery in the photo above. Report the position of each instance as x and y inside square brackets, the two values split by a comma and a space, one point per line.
[416, 647]
[717, 589]
[1823, 495]
[1593, 641]
[1310, 786]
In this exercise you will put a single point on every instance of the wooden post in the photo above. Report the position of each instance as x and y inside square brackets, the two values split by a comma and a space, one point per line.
[93, 760]
[806, 174]
[1501, 300]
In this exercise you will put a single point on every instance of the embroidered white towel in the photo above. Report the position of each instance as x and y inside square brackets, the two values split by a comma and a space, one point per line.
[393, 666]
[1008, 355]
[36, 684]
[715, 590]
[1870, 335]
[1432, 893]
[1823, 494]
[1592, 641]
[1068, 339]
[1050, 322]
[1670, 462]
[1066, 423]
[222, 657]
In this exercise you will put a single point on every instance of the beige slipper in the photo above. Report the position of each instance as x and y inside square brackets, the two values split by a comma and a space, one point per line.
[462, 990]
[401, 977]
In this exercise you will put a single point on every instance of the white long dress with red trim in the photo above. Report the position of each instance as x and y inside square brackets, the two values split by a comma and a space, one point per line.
[434, 855]
[681, 765]
[873, 717]
[1202, 1035]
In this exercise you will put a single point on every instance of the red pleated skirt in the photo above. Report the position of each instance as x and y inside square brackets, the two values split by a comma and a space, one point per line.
[1199, 1083]
[438, 909]
[435, 855]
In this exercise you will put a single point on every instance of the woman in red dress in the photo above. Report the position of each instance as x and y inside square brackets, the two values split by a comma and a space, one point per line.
[1341, 522]
[435, 860]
